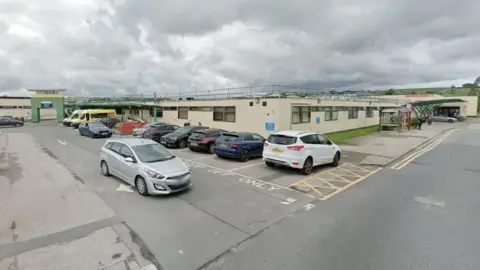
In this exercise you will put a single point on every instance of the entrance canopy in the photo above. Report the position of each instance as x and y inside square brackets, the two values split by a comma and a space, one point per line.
[424, 108]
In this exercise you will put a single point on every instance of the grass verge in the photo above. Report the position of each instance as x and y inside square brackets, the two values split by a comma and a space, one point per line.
[342, 136]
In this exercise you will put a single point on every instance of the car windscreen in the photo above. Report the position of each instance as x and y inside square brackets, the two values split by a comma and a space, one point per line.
[96, 124]
[150, 153]
[229, 137]
[281, 139]
[184, 129]
[99, 115]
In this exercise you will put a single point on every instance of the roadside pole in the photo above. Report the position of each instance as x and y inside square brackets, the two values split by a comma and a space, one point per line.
[154, 107]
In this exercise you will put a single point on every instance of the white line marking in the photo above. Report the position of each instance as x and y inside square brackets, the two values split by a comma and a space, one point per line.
[429, 201]
[199, 158]
[62, 142]
[474, 126]
[124, 188]
[308, 207]
[247, 166]
[289, 201]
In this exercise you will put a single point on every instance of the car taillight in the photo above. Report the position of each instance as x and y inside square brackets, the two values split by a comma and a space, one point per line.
[295, 147]
[265, 144]
[100, 149]
[235, 145]
[206, 140]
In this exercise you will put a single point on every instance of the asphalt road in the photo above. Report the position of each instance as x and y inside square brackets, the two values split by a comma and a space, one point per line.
[425, 216]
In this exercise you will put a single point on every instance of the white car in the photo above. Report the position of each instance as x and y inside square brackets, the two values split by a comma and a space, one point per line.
[300, 150]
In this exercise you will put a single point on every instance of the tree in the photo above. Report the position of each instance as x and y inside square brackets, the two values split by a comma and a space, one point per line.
[469, 85]
[390, 92]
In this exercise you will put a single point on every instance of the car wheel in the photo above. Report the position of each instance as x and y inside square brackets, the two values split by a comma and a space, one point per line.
[244, 156]
[219, 156]
[270, 164]
[307, 166]
[450, 121]
[90, 134]
[336, 159]
[104, 168]
[80, 132]
[191, 149]
[17, 125]
[211, 148]
[182, 144]
[141, 186]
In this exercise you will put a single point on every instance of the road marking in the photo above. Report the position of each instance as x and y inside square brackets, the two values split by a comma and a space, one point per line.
[199, 158]
[247, 166]
[308, 207]
[474, 126]
[62, 142]
[124, 188]
[289, 201]
[404, 162]
[429, 201]
[349, 185]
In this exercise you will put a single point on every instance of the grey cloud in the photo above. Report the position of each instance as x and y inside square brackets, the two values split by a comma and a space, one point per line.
[98, 47]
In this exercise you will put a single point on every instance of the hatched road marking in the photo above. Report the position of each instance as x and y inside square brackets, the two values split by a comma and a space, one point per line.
[328, 183]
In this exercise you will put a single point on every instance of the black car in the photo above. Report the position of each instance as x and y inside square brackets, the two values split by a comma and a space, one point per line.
[9, 121]
[179, 138]
[94, 129]
[109, 122]
[157, 132]
[204, 139]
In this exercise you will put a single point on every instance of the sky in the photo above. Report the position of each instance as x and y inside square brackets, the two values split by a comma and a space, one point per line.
[119, 47]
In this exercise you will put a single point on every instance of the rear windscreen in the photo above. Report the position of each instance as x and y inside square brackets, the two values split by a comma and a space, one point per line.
[281, 139]
[229, 137]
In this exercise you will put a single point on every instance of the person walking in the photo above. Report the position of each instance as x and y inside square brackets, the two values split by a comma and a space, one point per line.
[430, 120]
[419, 123]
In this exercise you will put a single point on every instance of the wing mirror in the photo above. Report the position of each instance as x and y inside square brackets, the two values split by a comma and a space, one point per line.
[129, 160]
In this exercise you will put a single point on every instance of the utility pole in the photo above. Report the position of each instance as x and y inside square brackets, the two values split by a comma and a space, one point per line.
[154, 107]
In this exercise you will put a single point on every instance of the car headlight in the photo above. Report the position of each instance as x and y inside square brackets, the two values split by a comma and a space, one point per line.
[154, 174]
[173, 138]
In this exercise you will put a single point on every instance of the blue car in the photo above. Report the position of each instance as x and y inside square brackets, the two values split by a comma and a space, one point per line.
[239, 145]
[94, 129]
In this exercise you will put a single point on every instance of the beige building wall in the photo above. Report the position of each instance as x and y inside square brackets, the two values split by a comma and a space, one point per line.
[279, 111]
[16, 107]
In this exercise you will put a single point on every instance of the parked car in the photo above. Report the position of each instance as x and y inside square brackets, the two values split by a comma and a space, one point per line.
[156, 133]
[443, 118]
[146, 165]
[300, 150]
[109, 122]
[204, 140]
[239, 145]
[9, 121]
[179, 138]
[138, 132]
[94, 129]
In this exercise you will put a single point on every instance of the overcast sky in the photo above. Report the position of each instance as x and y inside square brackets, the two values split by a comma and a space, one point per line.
[113, 47]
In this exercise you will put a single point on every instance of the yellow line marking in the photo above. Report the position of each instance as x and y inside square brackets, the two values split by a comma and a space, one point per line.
[349, 172]
[340, 177]
[360, 168]
[314, 189]
[316, 175]
[349, 185]
[404, 162]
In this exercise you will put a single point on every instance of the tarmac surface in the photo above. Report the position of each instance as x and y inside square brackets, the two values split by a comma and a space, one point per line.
[236, 212]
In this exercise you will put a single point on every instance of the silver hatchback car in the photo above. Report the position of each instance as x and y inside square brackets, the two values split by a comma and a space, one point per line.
[145, 164]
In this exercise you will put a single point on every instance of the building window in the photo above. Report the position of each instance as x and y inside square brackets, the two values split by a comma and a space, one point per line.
[264, 104]
[159, 111]
[331, 113]
[193, 109]
[314, 108]
[224, 114]
[352, 112]
[205, 109]
[300, 114]
[251, 103]
[369, 112]
[182, 112]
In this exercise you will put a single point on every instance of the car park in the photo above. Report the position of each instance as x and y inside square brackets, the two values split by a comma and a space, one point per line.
[93, 115]
[300, 150]
[138, 132]
[157, 132]
[8, 121]
[145, 164]
[179, 138]
[94, 130]
[239, 145]
[204, 140]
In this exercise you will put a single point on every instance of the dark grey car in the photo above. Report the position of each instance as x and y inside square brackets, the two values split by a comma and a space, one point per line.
[8, 121]
[94, 129]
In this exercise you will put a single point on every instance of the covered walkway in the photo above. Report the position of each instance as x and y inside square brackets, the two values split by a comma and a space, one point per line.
[424, 108]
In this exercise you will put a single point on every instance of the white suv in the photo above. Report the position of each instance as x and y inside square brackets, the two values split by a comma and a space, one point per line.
[301, 150]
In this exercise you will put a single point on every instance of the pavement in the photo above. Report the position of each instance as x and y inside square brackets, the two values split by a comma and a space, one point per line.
[232, 206]
[380, 149]
[51, 220]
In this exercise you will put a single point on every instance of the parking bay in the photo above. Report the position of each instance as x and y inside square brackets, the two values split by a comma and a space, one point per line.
[188, 229]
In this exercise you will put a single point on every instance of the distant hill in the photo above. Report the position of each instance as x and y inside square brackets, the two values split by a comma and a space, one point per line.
[448, 91]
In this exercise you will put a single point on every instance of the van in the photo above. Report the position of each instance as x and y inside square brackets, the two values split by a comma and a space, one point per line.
[76, 114]
[94, 115]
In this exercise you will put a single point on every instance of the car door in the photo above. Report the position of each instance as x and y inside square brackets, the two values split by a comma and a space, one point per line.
[259, 142]
[311, 147]
[326, 149]
[113, 159]
[4, 121]
[128, 170]
[248, 143]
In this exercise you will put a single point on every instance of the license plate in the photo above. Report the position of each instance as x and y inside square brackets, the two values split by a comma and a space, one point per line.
[223, 145]
[194, 144]
[277, 151]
